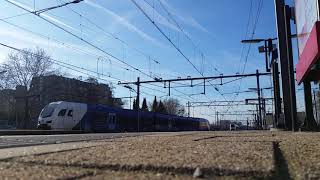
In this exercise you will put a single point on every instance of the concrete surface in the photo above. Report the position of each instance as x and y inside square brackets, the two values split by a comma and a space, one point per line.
[218, 155]
[32, 140]
[12, 132]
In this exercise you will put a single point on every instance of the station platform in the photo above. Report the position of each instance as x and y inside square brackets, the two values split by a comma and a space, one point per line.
[36, 132]
[187, 155]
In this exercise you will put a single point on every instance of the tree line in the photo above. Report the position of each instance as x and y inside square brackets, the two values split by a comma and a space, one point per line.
[167, 106]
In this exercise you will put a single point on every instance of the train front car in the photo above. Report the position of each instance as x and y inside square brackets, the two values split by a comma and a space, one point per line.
[46, 118]
[61, 115]
[204, 124]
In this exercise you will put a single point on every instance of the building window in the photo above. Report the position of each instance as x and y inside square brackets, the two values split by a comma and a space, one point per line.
[62, 112]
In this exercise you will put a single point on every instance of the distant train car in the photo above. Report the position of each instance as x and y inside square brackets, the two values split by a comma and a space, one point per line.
[100, 118]
[233, 127]
[204, 125]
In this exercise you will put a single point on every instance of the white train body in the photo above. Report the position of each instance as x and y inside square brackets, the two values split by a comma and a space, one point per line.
[61, 115]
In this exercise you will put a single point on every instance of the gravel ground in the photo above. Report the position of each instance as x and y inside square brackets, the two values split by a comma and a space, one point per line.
[302, 154]
[218, 155]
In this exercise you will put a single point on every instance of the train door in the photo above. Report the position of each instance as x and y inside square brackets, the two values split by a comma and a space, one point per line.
[69, 120]
[61, 119]
[112, 121]
[170, 124]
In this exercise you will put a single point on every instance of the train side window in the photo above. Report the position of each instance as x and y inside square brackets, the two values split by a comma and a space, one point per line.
[70, 113]
[62, 112]
[112, 119]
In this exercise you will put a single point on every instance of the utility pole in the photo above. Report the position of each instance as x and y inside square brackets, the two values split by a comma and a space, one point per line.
[130, 99]
[266, 51]
[315, 104]
[310, 123]
[264, 112]
[259, 99]
[255, 119]
[217, 117]
[276, 92]
[188, 104]
[138, 93]
[138, 102]
[292, 84]
[286, 61]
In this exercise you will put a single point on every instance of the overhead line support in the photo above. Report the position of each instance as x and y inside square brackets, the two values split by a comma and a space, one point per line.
[197, 78]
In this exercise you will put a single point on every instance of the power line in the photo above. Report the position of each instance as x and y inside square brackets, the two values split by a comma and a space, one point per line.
[111, 34]
[201, 78]
[14, 16]
[81, 39]
[182, 30]
[115, 37]
[67, 45]
[83, 51]
[165, 35]
[75, 68]
[243, 47]
[239, 92]
[171, 42]
[260, 5]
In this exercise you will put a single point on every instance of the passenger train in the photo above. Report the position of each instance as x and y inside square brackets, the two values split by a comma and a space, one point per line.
[100, 118]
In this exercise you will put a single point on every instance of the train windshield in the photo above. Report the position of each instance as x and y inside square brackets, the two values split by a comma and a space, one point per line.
[48, 110]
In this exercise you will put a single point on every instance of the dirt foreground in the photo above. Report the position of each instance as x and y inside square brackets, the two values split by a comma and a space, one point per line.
[207, 155]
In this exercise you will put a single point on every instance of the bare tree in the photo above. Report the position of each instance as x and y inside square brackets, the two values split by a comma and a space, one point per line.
[92, 80]
[22, 66]
[162, 108]
[3, 81]
[173, 106]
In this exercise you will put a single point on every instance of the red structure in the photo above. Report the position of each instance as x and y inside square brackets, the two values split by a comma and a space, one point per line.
[308, 33]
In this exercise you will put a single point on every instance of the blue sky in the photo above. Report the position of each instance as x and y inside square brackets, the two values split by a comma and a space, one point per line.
[214, 27]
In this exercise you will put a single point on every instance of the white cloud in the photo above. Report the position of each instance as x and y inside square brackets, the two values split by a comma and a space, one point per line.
[29, 38]
[21, 39]
[123, 21]
[59, 22]
[188, 20]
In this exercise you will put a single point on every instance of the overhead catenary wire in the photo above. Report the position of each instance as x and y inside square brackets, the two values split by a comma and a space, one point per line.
[75, 68]
[183, 31]
[80, 50]
[81, 39]
[115, 37]
[67, 45]
[166, 36]
[260, 5]
[171, 42]
[189, 38]
[14, 16]
[112, 35]
[201, 71]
